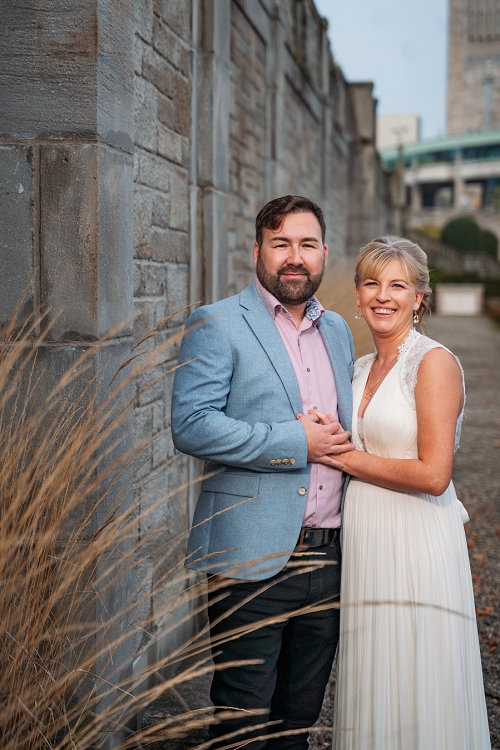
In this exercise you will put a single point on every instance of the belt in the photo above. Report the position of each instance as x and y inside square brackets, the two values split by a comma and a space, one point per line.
[312, 537]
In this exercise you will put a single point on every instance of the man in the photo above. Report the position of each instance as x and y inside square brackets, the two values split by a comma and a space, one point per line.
[254, 363]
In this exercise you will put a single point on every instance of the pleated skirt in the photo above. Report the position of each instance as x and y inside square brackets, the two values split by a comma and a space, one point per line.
[409, 670]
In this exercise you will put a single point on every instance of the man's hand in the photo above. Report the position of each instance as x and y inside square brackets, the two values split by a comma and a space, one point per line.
[325, 436]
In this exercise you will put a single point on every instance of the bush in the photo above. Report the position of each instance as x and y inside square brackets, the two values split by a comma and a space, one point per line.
[465, 235]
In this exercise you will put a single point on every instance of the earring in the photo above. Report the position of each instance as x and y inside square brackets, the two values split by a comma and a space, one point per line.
[415, 317]
[359, 314]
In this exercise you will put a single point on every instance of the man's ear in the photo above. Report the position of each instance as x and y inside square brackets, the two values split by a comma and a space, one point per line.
[255, 253]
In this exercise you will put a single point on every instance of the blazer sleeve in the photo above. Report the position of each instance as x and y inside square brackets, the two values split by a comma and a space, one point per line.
[200, 427]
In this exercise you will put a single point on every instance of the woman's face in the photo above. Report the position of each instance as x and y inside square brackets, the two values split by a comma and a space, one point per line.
[389, 301]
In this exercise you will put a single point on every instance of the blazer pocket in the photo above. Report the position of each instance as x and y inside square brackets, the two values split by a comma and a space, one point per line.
[226, 483]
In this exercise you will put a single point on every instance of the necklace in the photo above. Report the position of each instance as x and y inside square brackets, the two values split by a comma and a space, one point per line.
[369, 391]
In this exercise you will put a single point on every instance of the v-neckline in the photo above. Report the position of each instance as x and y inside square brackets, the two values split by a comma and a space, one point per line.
[358, 415]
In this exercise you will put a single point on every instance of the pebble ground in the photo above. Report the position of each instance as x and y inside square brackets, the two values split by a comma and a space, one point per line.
[476, 341]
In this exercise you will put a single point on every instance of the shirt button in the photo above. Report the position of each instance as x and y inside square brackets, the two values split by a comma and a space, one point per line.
[308, 369]
[315, 407]
[321, 486]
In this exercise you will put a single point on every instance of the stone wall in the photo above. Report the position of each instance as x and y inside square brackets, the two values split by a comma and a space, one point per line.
[138, 141]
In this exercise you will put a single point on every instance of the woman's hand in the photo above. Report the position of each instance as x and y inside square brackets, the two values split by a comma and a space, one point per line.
[314, 415]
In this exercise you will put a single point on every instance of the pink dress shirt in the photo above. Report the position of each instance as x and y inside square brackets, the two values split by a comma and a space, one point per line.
[314, 373]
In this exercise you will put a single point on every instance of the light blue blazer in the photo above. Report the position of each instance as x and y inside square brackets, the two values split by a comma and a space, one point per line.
[234, 405]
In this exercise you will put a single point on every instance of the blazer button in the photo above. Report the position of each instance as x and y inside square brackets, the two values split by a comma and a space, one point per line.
[302, 490]
[291, 461]
[285, 460]
[272, 462]
[278, 462]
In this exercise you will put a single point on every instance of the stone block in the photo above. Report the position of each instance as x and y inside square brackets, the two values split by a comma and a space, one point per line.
[213, 122]
[162, 448]
[147, 314]
[176, 112]
[146, 114]
[143, 425]
[217, 28]
[177, 290]
[49, 61]
[153, 171]
[177, 14]
[85, 239]
[115, 240]
[139, 46]
[161, 210]
[115, 83]
[364, 107]
[179, 200]
[67, 71]
[169, 46]
[143, 219]
[173, 146]
[215, 245]
[144, 16]
[169, 245]
[53, 363]
[16, 230]
[159, 72]
[149, 279]
[150, 386]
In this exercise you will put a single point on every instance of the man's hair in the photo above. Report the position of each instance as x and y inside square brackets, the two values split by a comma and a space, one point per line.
[272, 215]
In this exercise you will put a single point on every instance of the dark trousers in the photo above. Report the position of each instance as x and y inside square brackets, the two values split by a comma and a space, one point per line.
[296, 652]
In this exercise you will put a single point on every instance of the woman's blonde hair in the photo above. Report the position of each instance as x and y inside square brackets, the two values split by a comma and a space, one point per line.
[375, 256]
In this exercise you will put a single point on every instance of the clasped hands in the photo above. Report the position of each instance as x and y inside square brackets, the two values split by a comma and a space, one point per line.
[326, 438]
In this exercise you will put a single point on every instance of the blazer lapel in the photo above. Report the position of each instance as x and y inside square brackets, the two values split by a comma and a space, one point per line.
[264, 328]
[341, 373]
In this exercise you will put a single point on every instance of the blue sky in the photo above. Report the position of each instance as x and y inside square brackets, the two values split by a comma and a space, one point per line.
[401, 46]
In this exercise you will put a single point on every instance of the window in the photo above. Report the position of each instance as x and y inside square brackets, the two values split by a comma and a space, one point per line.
[432, 157]
[483, 20]
[474, 153]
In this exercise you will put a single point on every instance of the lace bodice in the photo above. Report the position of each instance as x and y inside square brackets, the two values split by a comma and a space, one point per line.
[411, 353]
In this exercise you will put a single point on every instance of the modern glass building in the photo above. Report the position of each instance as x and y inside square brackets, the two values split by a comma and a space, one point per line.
[459, 171]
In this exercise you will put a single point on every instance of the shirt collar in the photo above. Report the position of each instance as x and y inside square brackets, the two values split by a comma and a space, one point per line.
[314, 308]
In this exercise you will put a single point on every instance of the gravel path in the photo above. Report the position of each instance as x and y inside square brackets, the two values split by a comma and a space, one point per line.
[476, 475]
[476, 341]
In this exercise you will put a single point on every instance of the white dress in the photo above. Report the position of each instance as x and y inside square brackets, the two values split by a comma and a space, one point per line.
[409, 670]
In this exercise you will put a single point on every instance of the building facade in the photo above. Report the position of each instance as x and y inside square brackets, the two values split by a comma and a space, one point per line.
[473, 66]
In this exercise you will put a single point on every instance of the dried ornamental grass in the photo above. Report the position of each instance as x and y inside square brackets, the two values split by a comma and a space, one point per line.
[70, 556]
[337, 293]
[73, 583]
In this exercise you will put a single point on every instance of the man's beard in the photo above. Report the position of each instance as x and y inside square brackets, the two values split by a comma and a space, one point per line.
[288, 291]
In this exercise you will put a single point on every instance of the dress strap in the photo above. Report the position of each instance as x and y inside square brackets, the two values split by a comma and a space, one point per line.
[411, 354]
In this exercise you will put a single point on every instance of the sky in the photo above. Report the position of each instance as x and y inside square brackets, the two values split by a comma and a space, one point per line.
[400, 45]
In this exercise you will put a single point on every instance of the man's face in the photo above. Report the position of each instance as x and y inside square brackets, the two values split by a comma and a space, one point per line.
[291, 261]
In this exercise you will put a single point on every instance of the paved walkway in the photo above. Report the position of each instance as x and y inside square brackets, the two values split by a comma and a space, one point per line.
[476, 341]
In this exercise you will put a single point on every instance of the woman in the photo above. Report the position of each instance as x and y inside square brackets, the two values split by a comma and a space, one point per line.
[409, 671]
